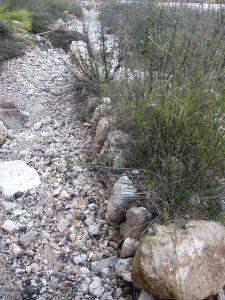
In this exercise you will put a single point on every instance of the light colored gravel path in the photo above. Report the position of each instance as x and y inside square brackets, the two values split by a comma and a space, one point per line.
[60, 228]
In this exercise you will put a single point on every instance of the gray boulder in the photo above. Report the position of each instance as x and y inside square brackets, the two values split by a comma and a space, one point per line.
[129, 248]
[3, 133]
[124, 267]
[101, 134]
[100, 111]
[136, 221]
[115, 150]
[110, 262]
[122, 196]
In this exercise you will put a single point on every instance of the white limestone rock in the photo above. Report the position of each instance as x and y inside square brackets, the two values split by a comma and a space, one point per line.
[26, 239]
[94, 229]
[136, 221]
[62, 225]
[15, 250]
[96, 288]
[9, 226]
[17, 176]
[102, 130]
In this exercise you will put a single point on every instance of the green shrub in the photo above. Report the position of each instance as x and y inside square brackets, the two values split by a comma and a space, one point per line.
[43, 12]
[158, 26]
[172, 103]
[5, 31]
[74, 8]
[180, 143]
[94, 66]
[11, 45]
[17, 4]
[16, 18]
[10, 48]
[54, 8]
[184, 40]
[40, 22]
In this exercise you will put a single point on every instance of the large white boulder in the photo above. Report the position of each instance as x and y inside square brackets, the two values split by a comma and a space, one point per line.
[17, 176]
[182, 263]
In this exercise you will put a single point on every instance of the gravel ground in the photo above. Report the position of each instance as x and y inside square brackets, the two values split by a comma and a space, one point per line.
[57, 230]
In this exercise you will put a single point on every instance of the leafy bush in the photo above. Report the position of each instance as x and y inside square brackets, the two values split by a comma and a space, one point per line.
[96, 66]
[10, 48]
[40, 22]
[44, 12]
[10, 45]
[5, 31]
[16, 18]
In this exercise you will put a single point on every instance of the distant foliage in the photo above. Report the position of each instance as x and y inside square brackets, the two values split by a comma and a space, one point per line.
[44, 12]
[95, 67]
[18, 18]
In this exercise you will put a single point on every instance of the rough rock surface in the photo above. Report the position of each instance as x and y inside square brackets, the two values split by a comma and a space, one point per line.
[51, 263]
[102, 131]
[124, 268]
[136, 221]
[129, 247]
[116, 149]
[186, 263]
[122, 195]
[145, 296]
[3, 133]
[100, 111]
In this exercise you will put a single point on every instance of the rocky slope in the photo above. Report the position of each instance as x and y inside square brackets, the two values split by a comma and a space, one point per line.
[52, 236]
